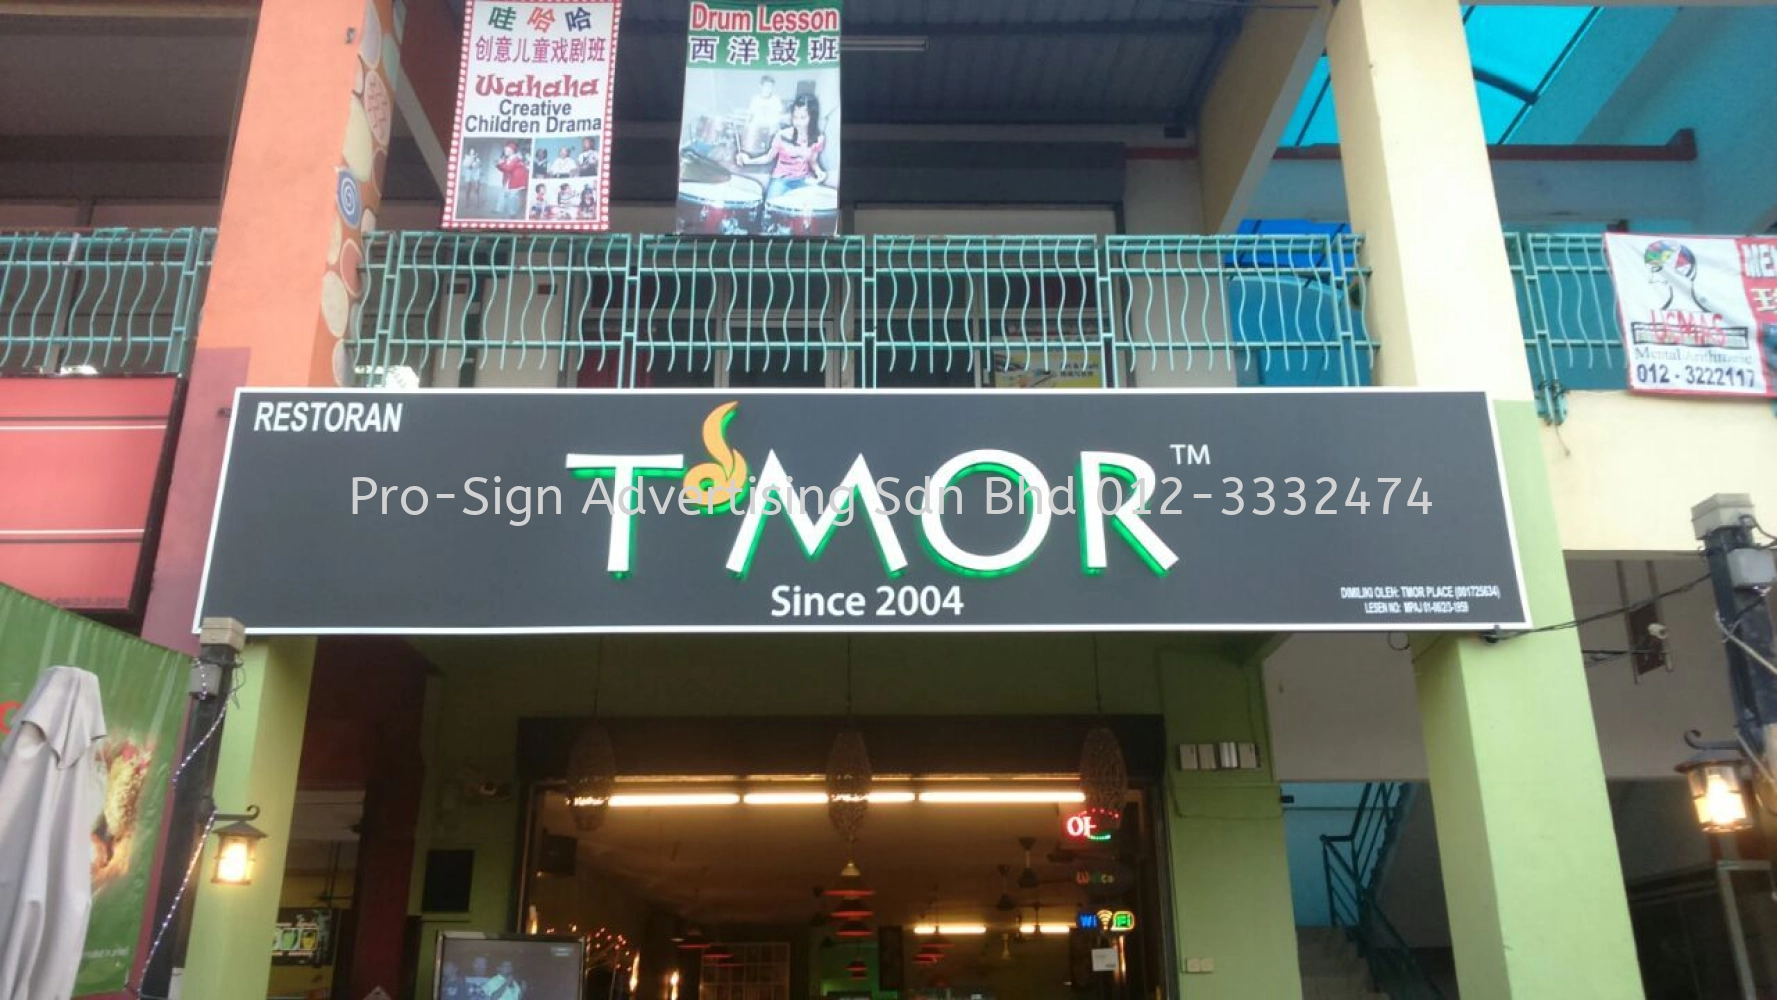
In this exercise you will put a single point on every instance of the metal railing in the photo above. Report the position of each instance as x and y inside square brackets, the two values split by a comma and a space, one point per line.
[112, 301]
[1354, 863]
[465, 308]
[1568, 308]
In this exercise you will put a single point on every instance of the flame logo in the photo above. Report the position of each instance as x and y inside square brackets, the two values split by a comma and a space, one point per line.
[717, 484]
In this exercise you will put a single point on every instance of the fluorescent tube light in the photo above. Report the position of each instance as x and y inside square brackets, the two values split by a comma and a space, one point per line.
[818, 798]
[882, 43]
[785, 798]
[644, 799]
[995, 796]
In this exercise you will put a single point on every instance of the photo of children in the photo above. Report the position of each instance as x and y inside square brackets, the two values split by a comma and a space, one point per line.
[492, 178]
[500, 180]
[471, 967]
[759, 141]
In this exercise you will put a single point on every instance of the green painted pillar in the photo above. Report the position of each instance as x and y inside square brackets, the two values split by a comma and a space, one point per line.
[231, 930]
[1230, 870]
[1531, 874]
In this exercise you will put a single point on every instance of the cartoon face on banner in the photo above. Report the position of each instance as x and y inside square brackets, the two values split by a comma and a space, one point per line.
[759, 141]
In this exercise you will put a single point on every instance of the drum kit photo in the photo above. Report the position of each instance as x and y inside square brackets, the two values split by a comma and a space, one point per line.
[718, 199]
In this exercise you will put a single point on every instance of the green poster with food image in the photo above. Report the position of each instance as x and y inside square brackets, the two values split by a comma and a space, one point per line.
[142, 687]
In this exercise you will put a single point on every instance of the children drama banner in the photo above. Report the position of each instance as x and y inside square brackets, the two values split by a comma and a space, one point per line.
[759, 147]
[1698, 313]
[530, 148]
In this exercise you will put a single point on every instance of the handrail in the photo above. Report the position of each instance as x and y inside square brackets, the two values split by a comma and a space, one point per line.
[1353, 863]
[1242, 309]
[866, 310]
[1567, 306]
[101, 301]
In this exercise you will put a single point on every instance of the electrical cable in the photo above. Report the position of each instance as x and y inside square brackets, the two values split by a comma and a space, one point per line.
[1745, 647]
[1243, 5]
[1759, 764]
[203, 839]
[1498, 636]
[1752, 522]
[166, 923]
[209, 734]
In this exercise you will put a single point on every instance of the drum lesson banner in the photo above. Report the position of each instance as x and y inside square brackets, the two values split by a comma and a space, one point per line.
[1698, 313]
[759, 149]
[530, 146]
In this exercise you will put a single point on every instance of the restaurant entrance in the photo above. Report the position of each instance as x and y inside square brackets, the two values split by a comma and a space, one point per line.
[707, 860]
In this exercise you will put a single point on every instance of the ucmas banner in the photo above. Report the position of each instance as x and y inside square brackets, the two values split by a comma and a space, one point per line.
[530, 148]
[759, 146]
[1699, 313]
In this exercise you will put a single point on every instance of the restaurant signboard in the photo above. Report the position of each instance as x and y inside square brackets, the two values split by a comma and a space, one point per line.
[488, 511]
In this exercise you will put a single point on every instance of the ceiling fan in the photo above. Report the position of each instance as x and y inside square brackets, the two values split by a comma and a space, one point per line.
[1062, 855]
[1006, 904]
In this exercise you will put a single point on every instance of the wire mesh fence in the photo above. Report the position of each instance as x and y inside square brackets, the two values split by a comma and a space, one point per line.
[113, 301]
[1568, 309]
[456, 309]
[464, 309]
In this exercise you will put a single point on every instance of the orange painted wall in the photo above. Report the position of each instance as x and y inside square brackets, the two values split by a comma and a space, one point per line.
[279, 208]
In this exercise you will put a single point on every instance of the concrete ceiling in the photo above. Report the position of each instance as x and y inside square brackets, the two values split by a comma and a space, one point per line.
[106, 78]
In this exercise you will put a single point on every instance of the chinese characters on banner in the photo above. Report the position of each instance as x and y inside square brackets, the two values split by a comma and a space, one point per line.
[1699, 313]
[531, 143]
[759, 147]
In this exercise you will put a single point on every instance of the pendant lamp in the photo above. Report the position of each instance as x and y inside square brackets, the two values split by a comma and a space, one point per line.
[852, 909]
[1104, 778]
[592, 763]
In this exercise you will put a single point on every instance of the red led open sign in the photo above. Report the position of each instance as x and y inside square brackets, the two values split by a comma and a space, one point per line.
[1084, 826]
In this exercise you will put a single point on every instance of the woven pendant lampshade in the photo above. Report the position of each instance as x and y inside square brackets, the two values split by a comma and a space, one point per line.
[592, 775]
[1104, 779]
[848, 783]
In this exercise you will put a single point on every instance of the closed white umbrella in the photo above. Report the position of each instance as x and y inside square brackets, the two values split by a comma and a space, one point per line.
[51, 793]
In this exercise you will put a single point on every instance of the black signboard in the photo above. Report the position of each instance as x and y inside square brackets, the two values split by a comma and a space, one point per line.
[490, 511]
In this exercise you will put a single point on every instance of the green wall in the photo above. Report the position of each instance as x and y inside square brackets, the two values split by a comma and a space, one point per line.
[1229, 873]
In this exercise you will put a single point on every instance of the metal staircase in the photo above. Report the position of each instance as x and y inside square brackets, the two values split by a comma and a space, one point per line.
[1355, 863]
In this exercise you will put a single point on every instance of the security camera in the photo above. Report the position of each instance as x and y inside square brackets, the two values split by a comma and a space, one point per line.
[1657, 630]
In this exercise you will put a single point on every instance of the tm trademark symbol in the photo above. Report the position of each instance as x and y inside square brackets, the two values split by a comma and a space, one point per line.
[1190, 454]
